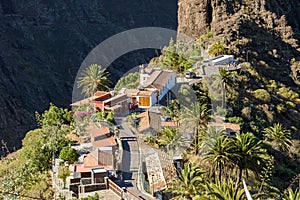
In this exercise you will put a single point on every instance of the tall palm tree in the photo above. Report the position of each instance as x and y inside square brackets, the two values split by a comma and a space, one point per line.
[219, 156]
[249, 154]
[173, 141]
[196, 118]
[289, 194]
[92, 79]
[189, 183]
[226, 191]
[227, 82]
[279, 137]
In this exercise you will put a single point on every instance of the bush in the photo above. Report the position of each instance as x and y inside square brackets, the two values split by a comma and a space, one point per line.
[262, 95]
[69, 154]
[281, 108]
[291, 104]
[95, 197]
[221, 111]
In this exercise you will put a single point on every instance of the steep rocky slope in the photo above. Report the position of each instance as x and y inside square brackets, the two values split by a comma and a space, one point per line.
[265, 33]
[268, 30]
[42, 44]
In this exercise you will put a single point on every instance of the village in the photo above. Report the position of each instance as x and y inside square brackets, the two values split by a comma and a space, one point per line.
[116, 161]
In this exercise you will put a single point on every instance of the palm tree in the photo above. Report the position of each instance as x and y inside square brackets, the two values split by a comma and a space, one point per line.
[226, 191]
[196, 118]
[173, 141]
[217, 49]
[249, 154]
[219, 156]
[189, 183]
[289, 194]
[279, 137]
[227, 82]
[92, 79]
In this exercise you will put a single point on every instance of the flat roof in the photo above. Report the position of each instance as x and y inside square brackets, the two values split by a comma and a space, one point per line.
[98, 170]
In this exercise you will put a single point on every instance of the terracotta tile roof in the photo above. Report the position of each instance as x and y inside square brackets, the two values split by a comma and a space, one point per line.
[153, 76]
[98, 95]
[144, 123]
[100, 131]
[225, 125]
[232, 126]
[90, 159]
[162, 79]
[117, 98]
[158, 79]
[145, 93]
[171, 124]
[131, 92]
[101, 93]
[104, 143]
[82, 168]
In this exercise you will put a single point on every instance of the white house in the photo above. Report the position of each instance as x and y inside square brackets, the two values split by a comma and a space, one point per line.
[154, 83]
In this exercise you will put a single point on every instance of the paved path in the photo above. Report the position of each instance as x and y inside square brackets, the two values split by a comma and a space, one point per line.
[130, 161]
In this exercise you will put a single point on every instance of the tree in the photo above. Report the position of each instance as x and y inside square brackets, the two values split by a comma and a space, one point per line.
[92, 79]
[54, 116]
[173, 141]
[249, 154]
[279, 137]
[69, 154]
[172, 59]
[63, 173]
[217, 49]
[189, 183]
[196, 117]
[227, 81]
[219, 155]
[130, 81]
[226, 191]
[36, 151]
[289, 194]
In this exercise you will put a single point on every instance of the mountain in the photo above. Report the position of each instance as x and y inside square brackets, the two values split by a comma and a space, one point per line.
[267, 30]
[42, 44]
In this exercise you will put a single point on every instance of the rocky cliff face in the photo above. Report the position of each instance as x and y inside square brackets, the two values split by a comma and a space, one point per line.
[42, 44]
[267, 30]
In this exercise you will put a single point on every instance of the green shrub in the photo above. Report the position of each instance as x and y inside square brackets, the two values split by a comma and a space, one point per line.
[291, 104]
[281, 108]
[262, 95]
[221, 111]
[288, 93]
[130, 81]
[69, 154]
[95, 197]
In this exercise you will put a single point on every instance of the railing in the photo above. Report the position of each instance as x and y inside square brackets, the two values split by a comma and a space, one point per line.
[115, 188]
[121, 192]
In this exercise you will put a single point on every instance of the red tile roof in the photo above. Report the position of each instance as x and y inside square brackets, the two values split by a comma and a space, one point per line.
[100, 131]
[144, 123]
[82, 168]
[232, 126]
[108, 142]
[171, 124]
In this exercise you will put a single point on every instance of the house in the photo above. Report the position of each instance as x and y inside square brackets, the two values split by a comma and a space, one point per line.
[219, 60]
[100, 133]
[149, 122]
[106, 101]
[154, 85]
